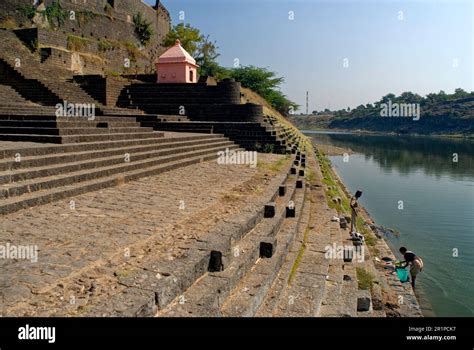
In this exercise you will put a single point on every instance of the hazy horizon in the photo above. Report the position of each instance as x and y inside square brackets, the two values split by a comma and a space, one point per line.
[345, 53]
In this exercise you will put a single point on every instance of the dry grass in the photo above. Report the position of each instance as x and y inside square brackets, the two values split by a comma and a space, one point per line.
[9, 23]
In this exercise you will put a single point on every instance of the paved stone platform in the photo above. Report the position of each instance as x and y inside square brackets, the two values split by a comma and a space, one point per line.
[82, 240]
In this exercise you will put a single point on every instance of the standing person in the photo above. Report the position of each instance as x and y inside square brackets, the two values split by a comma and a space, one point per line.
[415, 262]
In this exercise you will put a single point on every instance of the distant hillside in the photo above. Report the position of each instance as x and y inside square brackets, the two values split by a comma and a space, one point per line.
[438, 114]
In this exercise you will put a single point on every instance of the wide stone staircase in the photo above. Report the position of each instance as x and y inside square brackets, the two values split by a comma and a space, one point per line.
[63, 130]
[267, 261]
[208, 109]
[251, 136]
[35, 175]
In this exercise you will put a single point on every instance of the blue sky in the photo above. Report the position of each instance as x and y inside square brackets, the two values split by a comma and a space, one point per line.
[426, 47]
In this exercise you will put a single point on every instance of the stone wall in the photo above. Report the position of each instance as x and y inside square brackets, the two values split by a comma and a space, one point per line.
[105, 25]
[199, 102]
[106, 90]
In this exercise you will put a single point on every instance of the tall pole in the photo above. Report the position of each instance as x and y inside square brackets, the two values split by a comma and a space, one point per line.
[306, 102]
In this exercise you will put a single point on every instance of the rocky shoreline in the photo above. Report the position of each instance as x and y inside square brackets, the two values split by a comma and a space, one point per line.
[420, 296]
[398, 298]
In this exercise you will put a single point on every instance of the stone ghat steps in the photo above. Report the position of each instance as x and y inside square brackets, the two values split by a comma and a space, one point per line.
[63, 150]
[121, 111]
[207, 112]
[167, 98]
[91, 160]
[162, 118]
[247, 135]
[341, 291]
[247, 297]
[32, 90]
[72, 119]
[44, 83]
[295, 290]
[309, 283]
[250, 295]
[68, 123]
[115, 148]
[27, 88]
[71, 130]
[254, 255]
[97, 174]
[156, 283]
[9, 97]
[59, 139]
[26, 109]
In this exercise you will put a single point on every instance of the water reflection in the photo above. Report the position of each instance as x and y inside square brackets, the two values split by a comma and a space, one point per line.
[406, 154]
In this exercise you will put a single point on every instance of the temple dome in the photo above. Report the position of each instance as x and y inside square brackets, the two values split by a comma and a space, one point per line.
[176, 54]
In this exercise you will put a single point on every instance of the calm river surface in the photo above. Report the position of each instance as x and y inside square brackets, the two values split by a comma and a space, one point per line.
[437, 194]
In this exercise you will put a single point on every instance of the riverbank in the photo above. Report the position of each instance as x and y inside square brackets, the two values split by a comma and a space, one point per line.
[330, 150]
[375, 133]
[398, 298]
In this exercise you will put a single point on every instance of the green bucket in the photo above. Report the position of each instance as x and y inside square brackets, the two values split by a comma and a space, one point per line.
[403, 275]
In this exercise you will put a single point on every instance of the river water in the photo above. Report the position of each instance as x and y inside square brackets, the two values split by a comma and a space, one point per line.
[424, 188]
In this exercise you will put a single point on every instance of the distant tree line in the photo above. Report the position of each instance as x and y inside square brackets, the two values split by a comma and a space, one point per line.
[426, 102]
[261, 80]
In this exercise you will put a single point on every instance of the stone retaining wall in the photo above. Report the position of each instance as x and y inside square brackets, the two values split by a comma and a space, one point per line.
[96, 21]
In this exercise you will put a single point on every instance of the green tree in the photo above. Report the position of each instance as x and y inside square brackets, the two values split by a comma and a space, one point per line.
[260, 80]
[409, 97]
[460, 93]
[388, 97]
[199, 46]
[143, 29]
[190, 38]
[265, 83]
[280, 102]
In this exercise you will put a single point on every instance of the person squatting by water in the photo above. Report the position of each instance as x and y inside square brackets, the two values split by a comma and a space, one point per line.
[415, 263]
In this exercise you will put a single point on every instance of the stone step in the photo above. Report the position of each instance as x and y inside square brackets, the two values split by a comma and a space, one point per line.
[25, 113]
[77, 138]
[33, 82]
[176, 276]
[67, 157]
[205, 296]
[298, 289]
[71, 123]
[11, 178]
[28, 105]
[53, 118]
[162, 118]
[9, 95]
[6, 104]
[61, 187]
[43, 149]
[247, 297]
[341, 290]
[73, 131]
